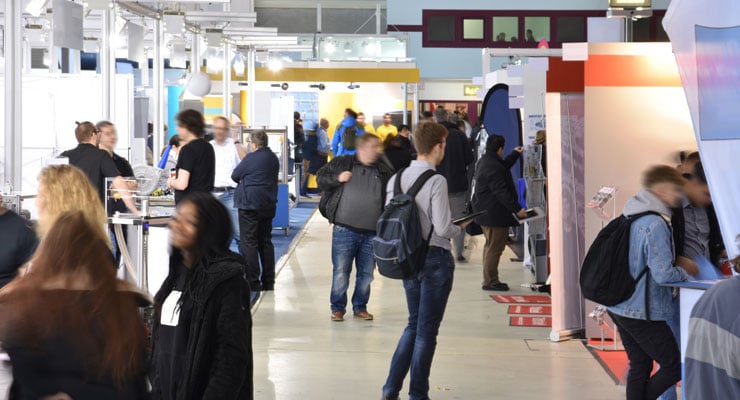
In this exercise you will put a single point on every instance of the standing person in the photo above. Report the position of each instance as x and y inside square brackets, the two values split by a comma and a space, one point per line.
[398, 156]
[354, 193]
[108, 142]
[427, 293]
[346, 134]
[710, 367]
[85, 339]
[454, 167]
[256, 199]
[17, 243]
[310, 151]
[404, 134]
[324, 147]
[202, 331]
[387, 129]
[363, 124]
[228, 154]
[495, 193]
[196, 162]
[641, 319]
[98, 164]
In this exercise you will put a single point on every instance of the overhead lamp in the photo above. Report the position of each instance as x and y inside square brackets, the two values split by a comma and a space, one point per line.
[353, 86]
[238, 64]
[370, 48]
[214, 61]
[330, 47]
[275, 64]
[347, 47]
[319, 86]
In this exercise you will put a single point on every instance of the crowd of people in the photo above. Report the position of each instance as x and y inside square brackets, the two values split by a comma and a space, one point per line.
[222, 257]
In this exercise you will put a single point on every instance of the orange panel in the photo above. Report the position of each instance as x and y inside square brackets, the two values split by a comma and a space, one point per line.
[621, 70]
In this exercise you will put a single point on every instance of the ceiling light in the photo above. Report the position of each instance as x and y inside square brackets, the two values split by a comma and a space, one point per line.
[275, 64]
[239, 64]
[330, 47]
[347, 47]
[353, 86]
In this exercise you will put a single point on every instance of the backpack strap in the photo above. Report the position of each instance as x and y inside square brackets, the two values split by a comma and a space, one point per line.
[420, 181]
[397, 184]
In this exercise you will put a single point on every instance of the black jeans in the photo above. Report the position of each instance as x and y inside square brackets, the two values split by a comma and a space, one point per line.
[255, 244]
[644, 342]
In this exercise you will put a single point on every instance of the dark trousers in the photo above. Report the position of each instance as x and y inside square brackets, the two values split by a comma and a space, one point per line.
[645, 342]
[255, 244]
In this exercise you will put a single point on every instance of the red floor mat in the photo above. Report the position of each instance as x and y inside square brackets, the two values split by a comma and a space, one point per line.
[614, 362]
[531, 310]
[521, 299]
[541, 322]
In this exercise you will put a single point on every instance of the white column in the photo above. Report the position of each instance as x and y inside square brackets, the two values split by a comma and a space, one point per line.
[158, 90]
[226, 80]
[196, 60]
[252, 85]
[377, 19]
[13, 88]
[107, 61]
[415, 106]
[405, 88]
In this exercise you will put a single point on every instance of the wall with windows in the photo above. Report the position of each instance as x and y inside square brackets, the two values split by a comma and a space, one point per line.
[447, 42]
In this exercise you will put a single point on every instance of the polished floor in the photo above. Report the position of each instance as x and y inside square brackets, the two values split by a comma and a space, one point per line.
[299, 354]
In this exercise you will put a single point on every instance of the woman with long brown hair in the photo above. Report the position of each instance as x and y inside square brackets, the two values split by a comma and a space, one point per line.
[69, 325]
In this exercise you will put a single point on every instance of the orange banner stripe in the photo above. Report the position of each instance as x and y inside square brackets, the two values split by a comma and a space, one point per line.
[621, 70]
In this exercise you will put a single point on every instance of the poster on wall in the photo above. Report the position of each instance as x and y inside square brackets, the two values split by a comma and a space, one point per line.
[706, 44]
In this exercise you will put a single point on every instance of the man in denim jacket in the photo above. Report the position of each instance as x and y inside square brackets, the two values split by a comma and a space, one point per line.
[642, 321]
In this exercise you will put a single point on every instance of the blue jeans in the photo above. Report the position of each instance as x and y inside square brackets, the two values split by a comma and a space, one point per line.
[348, 245]
[426, 297]
[227, 199]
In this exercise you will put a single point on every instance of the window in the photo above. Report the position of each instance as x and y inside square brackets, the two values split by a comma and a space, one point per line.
[536, 29]
[570, 29]
[505, 29]
[473, 29]
[441, 28]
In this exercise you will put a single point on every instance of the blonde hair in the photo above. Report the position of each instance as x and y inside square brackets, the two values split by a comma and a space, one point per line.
[67, 188]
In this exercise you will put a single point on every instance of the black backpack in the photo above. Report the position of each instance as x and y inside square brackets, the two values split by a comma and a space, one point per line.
[605, 275]
[399, 246]
[349, 137]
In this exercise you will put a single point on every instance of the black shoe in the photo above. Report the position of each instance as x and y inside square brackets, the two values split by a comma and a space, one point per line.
[499, 287]
[462, 259]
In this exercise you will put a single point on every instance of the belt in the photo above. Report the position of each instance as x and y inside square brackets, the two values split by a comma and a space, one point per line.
[437, 249]
[219, 189]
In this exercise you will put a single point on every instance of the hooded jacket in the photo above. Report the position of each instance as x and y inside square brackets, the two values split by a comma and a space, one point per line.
[651, 245]
[219, 349]
[337, 146]
[458, 157]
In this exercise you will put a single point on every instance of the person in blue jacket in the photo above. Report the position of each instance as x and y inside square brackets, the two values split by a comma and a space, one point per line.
[338, 145]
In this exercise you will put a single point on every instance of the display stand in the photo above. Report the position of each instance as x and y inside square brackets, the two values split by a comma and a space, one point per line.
[599, 314]
[277, 139]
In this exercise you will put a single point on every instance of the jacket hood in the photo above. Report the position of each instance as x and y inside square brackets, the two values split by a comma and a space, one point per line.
[216, 270]
[644, 201]
[349, 121]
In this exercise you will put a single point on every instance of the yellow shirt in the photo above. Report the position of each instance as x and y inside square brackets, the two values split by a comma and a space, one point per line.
[384, 131]
[368, 128]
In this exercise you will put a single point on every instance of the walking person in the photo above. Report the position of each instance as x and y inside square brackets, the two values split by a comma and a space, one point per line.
[427, 293]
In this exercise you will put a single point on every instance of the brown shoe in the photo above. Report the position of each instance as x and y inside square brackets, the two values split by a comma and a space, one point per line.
[364, 315]
[337, 316]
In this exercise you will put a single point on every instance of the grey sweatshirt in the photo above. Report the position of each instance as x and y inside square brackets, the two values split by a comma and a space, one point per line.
[431, 201]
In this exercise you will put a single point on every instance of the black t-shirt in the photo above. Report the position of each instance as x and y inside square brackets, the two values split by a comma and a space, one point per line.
[174, 332]
[199, 159]
[124, 168]
[95, 163]
[17, 243]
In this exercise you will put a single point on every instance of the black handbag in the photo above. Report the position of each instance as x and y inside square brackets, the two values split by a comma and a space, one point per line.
[473, 229]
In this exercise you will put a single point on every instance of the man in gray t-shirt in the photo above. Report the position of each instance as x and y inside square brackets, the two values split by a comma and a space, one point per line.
[353, 189]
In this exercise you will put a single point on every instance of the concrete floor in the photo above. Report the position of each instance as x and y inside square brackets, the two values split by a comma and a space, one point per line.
[300, 354]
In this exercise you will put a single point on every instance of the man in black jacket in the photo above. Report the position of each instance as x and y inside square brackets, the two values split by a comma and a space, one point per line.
[353, 197]
[496, 194]
[454, 167]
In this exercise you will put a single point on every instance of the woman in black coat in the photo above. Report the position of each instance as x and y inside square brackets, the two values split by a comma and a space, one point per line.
[202, 331]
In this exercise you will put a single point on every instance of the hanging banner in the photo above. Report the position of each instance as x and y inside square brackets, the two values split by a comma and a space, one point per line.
[706, 42]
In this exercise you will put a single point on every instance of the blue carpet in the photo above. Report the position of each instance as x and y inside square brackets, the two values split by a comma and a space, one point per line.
[298, 217]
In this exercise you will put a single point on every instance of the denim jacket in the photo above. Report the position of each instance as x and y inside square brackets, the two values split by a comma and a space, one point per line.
[650, 245]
